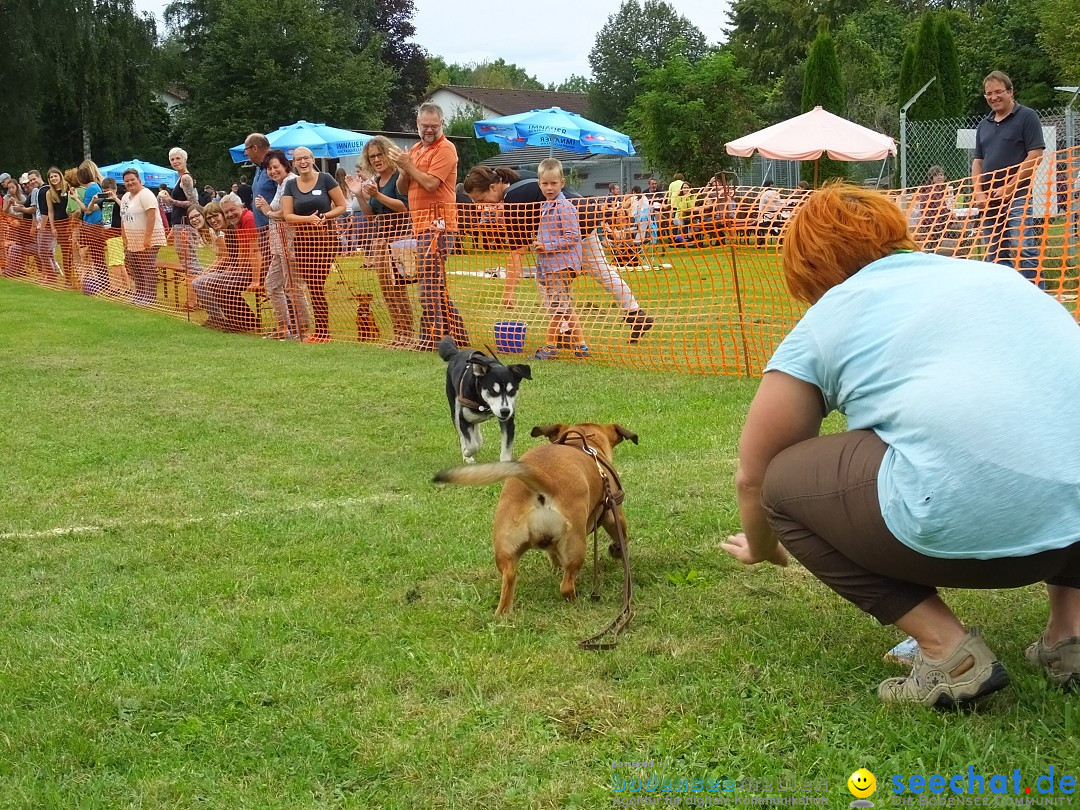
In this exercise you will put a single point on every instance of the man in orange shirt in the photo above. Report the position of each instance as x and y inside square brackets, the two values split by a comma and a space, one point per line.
[428, 174]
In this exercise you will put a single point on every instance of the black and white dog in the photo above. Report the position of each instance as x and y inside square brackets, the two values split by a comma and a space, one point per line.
[480, 387]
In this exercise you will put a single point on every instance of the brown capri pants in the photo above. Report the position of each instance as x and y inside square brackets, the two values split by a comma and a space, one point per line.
[821, 500]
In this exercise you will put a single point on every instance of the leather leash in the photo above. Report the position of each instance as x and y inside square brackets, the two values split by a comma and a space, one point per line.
[612, 502]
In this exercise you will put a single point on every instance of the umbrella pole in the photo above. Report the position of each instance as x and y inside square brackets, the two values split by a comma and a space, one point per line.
[816, 161]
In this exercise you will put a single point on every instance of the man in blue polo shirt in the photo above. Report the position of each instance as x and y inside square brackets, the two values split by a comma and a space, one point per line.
[256, 145]
[1008, 146]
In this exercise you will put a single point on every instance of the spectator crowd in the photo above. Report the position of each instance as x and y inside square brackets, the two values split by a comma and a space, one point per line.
[275, 241]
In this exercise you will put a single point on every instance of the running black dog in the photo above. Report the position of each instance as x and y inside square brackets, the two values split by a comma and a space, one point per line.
[480, 387]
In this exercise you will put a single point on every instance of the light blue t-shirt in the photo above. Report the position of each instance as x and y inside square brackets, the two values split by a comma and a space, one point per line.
[971, 375]
[94, 217]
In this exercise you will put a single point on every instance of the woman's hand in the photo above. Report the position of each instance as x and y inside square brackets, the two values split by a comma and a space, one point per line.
[354, 184]
[738, 547]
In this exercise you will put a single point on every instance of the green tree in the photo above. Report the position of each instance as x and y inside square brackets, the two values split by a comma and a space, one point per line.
[441, 74]
[1059, 36]
[83, 83]
[822, 83]
[474, 150]
[823, 86]
[870, 47]
[769, 36]
[385, 28]
[573, 84]
[771, 39]
[1005, 36]
[905, 85]
[21, 91]
[931, 104]
[689, 110]
[634, 40]
[498, 74]
[504, 75]
[252, 77]
[952, 88]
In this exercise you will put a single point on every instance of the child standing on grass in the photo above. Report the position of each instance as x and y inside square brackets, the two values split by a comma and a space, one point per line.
[558, 260]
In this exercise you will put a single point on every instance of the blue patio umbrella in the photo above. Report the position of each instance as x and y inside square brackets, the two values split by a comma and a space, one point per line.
[151, 174]
[555, 128]
[323, 141]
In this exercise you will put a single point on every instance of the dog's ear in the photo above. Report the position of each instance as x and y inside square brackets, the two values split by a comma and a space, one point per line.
[623, 433]
[522, 371]
[551, 431]
[478, 369]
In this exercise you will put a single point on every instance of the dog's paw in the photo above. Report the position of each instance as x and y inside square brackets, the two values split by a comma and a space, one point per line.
[469, 460]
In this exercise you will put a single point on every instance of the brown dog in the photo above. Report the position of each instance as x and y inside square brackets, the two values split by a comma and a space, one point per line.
[367, 330]
[553, 498]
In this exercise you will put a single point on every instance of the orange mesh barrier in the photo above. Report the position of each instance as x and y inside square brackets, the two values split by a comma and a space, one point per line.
[689, 284]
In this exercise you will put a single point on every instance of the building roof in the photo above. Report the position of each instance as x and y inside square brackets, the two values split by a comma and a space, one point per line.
[508, 102]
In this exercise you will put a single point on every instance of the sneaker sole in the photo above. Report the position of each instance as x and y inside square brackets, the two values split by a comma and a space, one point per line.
[997, 681]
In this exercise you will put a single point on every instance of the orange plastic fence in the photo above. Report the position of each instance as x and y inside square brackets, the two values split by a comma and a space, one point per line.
[689, 281]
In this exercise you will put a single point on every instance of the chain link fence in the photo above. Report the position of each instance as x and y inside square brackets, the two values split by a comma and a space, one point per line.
[950, 143]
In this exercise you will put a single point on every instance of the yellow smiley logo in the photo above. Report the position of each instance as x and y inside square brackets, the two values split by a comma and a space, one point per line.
[862, 783]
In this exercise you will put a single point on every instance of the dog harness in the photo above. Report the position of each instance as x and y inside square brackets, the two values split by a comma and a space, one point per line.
[612, 502]
[475, 357]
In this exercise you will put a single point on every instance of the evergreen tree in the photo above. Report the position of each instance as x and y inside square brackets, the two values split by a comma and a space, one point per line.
[949, 69]
[905, 85]
[931, 104]
[822, 83]
[823, 86]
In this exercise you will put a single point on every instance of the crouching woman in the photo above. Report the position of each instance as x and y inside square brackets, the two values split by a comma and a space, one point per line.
[956, 469]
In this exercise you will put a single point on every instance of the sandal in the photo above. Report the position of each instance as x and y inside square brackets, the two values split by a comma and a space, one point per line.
[1060, 662]
[932, 683]
[548, 352]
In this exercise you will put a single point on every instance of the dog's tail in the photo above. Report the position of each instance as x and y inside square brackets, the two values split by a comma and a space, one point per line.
[447, 348]
[480, 474]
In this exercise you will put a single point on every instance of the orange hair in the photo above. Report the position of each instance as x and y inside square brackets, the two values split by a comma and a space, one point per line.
[837, 232]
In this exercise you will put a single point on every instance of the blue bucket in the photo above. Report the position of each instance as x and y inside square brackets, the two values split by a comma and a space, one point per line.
[510, 336]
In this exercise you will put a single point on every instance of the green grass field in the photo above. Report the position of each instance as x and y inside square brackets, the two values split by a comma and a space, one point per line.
[228, 583]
